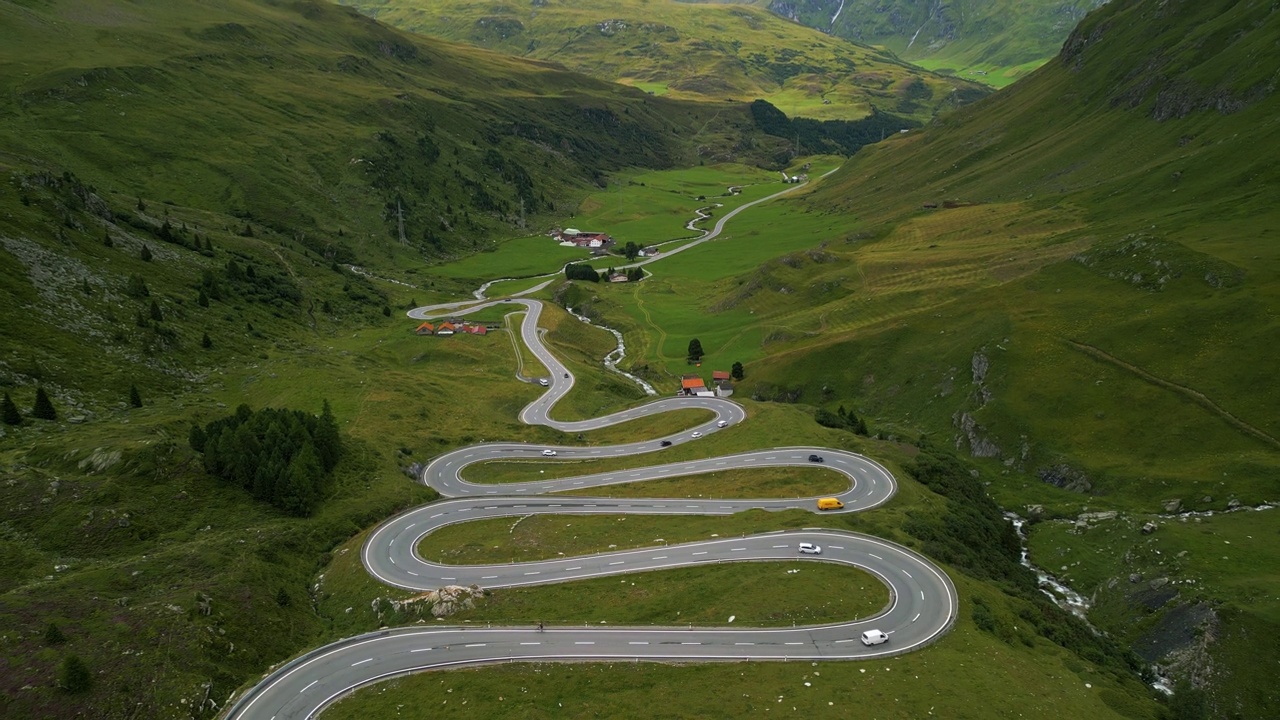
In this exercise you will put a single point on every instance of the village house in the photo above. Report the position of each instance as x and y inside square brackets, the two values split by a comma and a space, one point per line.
[719, 377]
[694, 386]
[578, 238]
[451, 327]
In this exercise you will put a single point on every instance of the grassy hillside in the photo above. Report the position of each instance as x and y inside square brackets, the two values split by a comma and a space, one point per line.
[323, 125]
[991, 42]
[1073, 282]
[186, 185]
[695, 51]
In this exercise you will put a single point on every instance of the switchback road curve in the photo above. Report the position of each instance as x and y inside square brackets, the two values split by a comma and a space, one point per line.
[922, 606]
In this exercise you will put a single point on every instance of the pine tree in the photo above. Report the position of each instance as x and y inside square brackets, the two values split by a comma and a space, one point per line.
[736, 371]
[74, 674]
[9, 411]
[695, 350]
[145, 254]
[197, 438]
[85, 287]
[43, 408]
[106, 239]
[137, 287]
[327, 441]
[53, 635]
[206, 342]
[299, 491]
[386, 310]
[203, 300]
[135, 399]
[155, 312]
[283, 599]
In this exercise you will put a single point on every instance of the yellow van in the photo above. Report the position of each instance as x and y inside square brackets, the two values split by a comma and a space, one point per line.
[829, 504]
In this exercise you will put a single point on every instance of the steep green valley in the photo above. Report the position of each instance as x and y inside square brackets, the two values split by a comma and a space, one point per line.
[1057, 301]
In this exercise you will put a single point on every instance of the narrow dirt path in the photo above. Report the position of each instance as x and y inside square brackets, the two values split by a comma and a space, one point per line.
[1195, 396]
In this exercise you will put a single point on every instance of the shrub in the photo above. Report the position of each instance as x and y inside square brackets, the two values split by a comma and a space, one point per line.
[74, 675]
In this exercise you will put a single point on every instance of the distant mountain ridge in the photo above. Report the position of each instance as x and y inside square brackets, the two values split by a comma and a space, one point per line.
[701, 51]
[1001, 33]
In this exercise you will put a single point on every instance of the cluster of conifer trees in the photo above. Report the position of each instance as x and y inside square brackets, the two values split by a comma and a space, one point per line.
[283, 457]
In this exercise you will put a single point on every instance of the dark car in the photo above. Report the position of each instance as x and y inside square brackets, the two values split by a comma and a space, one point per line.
[665, 443]
[815, 458]
[566, 374]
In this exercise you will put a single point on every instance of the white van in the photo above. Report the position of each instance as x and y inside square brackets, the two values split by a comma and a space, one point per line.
[544, 382]
[723, 423]
[874, 637]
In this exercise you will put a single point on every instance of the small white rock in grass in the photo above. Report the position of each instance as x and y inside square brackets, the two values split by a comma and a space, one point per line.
[731, 617]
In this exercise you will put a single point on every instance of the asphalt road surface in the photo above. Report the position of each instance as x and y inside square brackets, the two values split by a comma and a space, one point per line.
[923, 599]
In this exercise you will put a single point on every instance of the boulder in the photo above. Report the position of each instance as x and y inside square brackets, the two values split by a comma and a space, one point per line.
[1149, 528]
[1135, 577]
[1173, 506]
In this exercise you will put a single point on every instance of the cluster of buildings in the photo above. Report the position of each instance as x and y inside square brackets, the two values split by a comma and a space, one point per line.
[693, 385]
[590, 240]
[452, 327]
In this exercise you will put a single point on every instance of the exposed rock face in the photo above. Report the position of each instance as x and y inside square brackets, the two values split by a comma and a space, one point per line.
[978, 446]
[980, 363]
[1066, 477]
[444, 602]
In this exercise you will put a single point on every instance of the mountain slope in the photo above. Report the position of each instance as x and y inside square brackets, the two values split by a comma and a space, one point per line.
[312, 118]
[1077, 280]
[995, 42]
[187, 186]
[696, 51]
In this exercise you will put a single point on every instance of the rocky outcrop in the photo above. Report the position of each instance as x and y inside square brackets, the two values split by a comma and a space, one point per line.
[979, 364]
[971, 435]
[1066, 477]
[448, 600]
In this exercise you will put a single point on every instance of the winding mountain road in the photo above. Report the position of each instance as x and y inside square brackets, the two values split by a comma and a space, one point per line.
[922, 606]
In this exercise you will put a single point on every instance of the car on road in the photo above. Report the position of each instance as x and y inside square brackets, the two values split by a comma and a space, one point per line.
[723, 423]
[874, 637]
[566, 375]
[696, 435]
[815, 458]
[544, 382]
[810, 549]
[665, 443]
[549, 453]
[829, 503]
